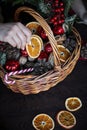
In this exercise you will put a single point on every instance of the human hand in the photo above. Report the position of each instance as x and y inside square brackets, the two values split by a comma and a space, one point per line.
[16, 34]
[85, 18]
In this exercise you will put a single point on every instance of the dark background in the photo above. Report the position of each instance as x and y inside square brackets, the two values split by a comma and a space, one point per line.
[17, 111]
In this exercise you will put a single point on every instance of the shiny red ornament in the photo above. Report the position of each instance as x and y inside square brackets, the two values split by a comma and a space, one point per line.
[58, 30]
[12, 65]
[48, 49]
[24, 53]
[56, 3]
[43, 35]
[43, 55]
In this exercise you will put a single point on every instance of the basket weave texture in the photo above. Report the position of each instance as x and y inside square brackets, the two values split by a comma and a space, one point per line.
[31, 84]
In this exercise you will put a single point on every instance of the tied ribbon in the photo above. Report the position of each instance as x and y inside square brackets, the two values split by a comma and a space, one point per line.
[14, 73]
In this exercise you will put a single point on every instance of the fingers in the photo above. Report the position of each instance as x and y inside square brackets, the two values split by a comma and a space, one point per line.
[18, 35]
[11, 41]
[25, 31]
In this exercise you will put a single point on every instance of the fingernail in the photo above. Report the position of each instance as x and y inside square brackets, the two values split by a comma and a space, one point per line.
[30, 42]
[23, 48]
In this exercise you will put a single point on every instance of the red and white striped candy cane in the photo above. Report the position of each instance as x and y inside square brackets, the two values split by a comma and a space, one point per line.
[14, 73]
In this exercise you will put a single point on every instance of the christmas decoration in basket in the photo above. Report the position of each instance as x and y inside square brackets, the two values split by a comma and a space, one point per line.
[54, 56]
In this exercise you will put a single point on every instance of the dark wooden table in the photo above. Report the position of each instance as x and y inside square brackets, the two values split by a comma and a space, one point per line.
[17, 111]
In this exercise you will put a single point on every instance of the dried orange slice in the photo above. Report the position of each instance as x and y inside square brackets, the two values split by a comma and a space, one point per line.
[66, 119]
[43, 122]
[64, 53]
[33, 26]
[73, 103]
[35, 46]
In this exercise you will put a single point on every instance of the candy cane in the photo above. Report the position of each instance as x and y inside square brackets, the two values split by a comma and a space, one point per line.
[14, 73]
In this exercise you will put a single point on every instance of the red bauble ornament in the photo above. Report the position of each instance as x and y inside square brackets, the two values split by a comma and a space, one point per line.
[58, 30]
[12, 65]
[24, 53]
[42, 33]
[48, 49]
[43, 55]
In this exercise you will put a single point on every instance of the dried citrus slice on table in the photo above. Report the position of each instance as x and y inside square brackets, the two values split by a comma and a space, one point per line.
[33, 26]
[73, 103]
[43, 122]
[35, 46]
[64, 53]
[66, 119]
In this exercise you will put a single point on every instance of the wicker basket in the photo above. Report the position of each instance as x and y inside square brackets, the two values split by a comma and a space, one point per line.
[31, 84]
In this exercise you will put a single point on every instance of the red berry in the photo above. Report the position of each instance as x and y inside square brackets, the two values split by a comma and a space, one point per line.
[61, 4]
[62, 9]
[57, 10]
[62, 15]
[56, 1]
[55, 23]
[24, 53]
[61, 21]
[52, 20]
[58, 30]
[43, 55]
[55, 17]
[56, 5]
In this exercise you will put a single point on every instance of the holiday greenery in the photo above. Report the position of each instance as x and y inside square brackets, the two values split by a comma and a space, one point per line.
[2, 58]
[57, 14]
[44, 6]
[57, 10]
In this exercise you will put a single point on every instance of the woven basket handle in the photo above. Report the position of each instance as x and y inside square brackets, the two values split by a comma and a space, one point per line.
[46, 28]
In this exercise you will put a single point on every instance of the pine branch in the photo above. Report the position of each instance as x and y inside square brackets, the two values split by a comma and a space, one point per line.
[67, 7]
[44, 8]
